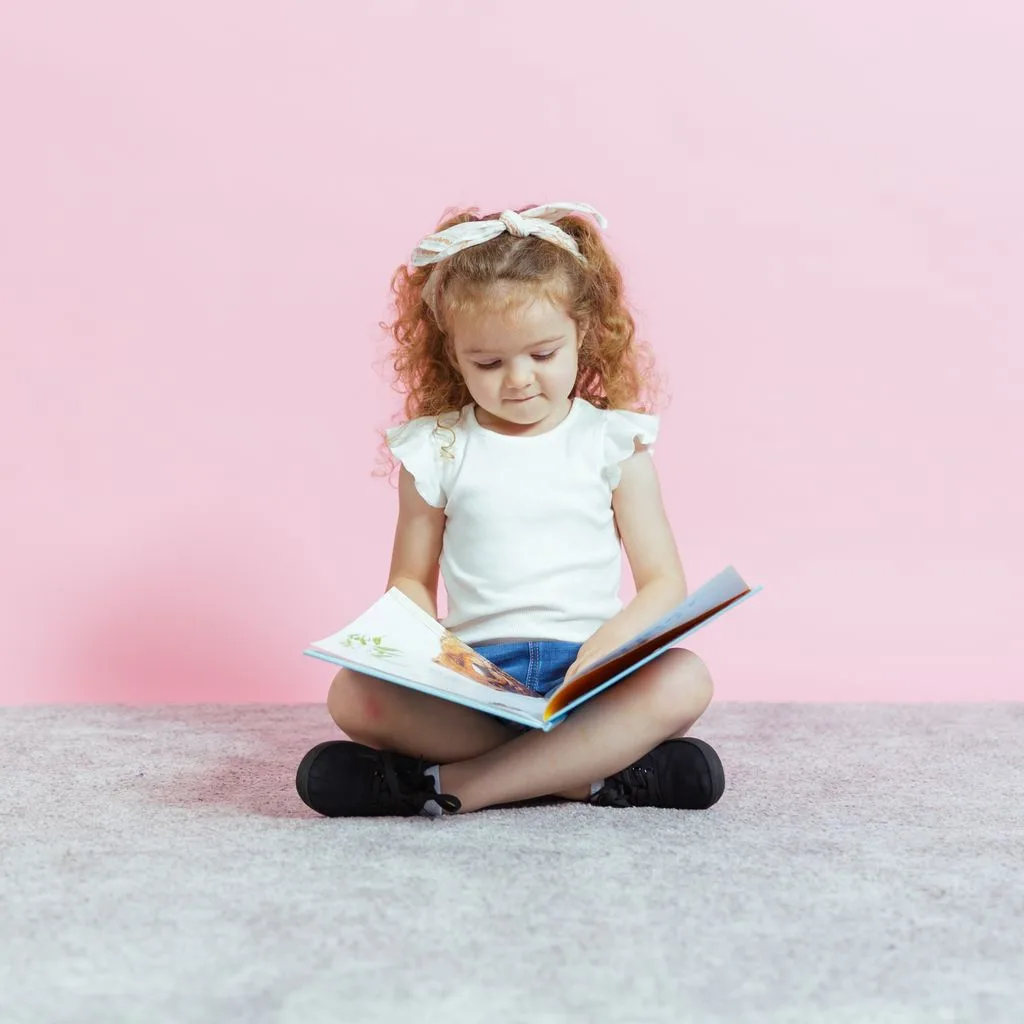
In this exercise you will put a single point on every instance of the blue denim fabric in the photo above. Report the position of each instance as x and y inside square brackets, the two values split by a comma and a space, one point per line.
[538, 664]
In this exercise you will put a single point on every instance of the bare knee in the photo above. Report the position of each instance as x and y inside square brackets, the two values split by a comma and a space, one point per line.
[356, 703]
[683, 688]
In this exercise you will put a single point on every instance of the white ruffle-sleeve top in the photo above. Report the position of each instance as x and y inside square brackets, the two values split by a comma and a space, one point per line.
[530, 547]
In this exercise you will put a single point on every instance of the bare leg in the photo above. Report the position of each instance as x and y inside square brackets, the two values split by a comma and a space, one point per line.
[391, 717]
[660, 700]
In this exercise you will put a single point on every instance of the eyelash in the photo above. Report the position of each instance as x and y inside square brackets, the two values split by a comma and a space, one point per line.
[540, 356]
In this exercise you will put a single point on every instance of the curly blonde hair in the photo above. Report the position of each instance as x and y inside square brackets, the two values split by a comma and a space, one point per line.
[616, 370]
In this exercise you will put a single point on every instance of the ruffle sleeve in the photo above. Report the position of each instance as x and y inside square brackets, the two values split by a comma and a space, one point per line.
[622, 429]
[416, 445]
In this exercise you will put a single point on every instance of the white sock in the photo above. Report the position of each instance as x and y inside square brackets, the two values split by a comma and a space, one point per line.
[432, 809]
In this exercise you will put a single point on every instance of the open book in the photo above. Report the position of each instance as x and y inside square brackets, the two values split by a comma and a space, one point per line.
[396, 640]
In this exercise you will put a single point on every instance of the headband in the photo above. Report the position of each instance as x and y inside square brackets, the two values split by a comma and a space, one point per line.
[539, 221]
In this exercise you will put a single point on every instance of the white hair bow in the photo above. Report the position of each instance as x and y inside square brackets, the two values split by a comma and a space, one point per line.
[537, 221]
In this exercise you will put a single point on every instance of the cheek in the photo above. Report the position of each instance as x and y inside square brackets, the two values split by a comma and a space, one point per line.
[473, 377]
[570, 365]
[481, 383]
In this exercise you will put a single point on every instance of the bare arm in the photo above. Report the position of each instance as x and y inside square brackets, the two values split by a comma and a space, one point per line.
[653, 559]
[417, 547]
[650, 546]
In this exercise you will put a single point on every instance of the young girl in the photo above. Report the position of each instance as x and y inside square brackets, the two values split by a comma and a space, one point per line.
[523, 469]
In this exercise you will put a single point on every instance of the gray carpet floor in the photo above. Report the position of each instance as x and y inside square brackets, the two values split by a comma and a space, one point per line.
[865, 864]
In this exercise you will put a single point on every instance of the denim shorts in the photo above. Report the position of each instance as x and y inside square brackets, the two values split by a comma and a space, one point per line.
[537, 664]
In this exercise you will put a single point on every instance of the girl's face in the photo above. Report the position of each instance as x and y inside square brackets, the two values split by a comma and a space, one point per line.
[520, 366]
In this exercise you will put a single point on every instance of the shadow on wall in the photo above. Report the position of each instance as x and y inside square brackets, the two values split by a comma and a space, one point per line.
[193, 653]
[196, 624]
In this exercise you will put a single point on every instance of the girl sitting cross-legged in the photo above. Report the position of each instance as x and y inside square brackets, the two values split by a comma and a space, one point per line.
[526, 468]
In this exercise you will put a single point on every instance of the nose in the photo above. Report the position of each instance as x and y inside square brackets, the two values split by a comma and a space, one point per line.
[520, 375]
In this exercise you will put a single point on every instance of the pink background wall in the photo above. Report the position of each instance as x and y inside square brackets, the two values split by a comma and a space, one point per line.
[818, 208]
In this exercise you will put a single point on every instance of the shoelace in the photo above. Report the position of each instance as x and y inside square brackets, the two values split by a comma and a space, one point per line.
[410, 788]
[632, 787]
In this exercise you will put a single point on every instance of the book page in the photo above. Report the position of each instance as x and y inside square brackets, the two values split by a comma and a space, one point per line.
[397, 640]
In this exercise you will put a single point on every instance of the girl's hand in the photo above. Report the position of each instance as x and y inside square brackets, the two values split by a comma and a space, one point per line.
[599, 646]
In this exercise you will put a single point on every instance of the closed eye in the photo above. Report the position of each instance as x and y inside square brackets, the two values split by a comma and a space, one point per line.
[541, 357]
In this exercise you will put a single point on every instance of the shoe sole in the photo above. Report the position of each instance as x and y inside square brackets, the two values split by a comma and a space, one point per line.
[715, 768]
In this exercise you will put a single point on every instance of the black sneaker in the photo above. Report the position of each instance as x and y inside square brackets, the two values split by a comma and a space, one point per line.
[341, 778]
[682, 773]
